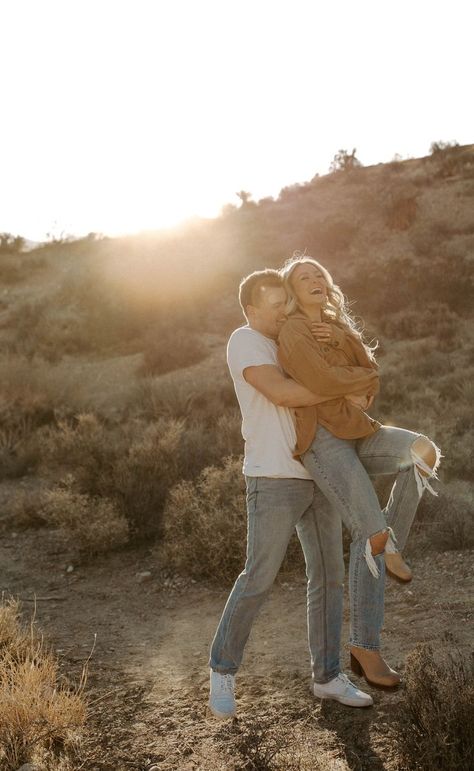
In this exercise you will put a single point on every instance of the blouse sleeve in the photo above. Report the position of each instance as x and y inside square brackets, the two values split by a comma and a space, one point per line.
[301, 358]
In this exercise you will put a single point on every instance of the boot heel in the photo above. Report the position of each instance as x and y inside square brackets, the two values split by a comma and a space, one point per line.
[355, 666]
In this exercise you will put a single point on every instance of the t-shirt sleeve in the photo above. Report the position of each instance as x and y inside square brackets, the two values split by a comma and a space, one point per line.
[247, 350]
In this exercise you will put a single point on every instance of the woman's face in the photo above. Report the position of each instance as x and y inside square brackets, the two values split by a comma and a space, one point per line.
[309, 286]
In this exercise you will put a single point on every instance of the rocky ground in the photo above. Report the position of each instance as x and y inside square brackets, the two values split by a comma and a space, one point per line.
[148, 675]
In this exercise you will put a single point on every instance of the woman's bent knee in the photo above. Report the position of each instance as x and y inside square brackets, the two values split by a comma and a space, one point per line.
[426, 450]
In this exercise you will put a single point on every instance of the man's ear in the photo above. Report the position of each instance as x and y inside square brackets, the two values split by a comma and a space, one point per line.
[250, 310]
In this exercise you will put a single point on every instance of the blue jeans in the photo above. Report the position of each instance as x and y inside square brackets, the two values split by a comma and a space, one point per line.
[341, 468]
[274, 508]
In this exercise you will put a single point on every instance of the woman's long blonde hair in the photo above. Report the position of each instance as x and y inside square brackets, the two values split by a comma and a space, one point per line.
[335, 308]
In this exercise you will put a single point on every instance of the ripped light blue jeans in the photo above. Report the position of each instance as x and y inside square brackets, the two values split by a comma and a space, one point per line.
[341, 468]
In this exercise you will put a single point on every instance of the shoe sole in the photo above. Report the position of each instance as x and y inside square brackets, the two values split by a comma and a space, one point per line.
[397, 577]
[345, 702]
[220, 715]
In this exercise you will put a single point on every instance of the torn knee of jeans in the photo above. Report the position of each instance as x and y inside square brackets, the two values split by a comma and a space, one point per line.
[423, 471]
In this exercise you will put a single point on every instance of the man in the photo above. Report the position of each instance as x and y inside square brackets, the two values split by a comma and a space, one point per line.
[280, 497]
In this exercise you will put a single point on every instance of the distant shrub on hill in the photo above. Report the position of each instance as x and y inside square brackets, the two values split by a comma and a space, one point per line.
[412, 323]
[170, 348]
[345, 161]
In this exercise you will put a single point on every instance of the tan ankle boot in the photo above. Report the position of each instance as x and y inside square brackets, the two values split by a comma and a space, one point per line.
[370, 664]
[397, 568]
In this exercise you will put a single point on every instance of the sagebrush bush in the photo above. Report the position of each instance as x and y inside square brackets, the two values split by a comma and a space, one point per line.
[447, 521]
[204, 532]
[92, 524]
[143, 476]
[41, 716]
[171, 349]
[432, 319]
[434, 725]
[131, 465]
[205, 525]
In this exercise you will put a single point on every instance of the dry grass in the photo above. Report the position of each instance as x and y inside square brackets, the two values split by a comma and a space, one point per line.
[41, 717]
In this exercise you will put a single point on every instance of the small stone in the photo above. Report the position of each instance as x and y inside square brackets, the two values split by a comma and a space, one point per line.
[144, 577]
[29, 767]
[70, 569]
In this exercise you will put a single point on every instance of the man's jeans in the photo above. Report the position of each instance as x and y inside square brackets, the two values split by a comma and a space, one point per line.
[341, 468]
[274, 508]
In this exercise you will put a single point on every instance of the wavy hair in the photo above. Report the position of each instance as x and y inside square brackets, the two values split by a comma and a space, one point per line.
[336, 307]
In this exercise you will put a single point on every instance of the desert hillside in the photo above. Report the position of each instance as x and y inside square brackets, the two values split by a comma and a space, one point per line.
[120, 465]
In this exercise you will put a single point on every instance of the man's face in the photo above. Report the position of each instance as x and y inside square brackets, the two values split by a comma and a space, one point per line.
[268, 315]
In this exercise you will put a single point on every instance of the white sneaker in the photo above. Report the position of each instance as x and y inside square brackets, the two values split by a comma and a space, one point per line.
[221, 698]
[341, 689]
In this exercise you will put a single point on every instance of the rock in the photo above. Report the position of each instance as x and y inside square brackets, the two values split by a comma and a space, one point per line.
[144, 577]
[29, 767]
[70, 569]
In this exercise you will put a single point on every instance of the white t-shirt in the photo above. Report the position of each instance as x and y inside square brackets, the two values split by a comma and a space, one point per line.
[268, 430]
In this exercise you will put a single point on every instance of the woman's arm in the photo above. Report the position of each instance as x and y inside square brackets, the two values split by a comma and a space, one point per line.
[301, 358]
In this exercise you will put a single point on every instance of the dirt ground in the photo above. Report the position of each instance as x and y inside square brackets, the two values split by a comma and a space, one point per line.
[148, 674]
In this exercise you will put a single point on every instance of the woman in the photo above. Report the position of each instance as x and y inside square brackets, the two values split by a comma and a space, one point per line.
[340, 445]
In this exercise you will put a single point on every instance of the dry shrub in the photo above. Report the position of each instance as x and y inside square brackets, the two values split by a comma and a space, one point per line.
[435, 723]
[84, 446]
[261, 743]
[448, 520]
[40, 715]
[171, 349]
[433, 319]
[143, 476]
[205, 524]
[25, 509]
[94, 524]
[132, 466]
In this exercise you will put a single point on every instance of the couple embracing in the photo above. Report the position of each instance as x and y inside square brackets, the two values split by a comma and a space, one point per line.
[304, 378]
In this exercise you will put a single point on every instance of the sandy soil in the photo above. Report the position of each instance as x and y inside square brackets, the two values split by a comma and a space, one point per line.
[148, 675]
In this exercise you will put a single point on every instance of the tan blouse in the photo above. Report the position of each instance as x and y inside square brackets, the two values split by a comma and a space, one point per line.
[336, 368]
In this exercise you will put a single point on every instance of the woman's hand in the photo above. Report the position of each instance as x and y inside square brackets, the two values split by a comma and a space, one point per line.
[322, 331]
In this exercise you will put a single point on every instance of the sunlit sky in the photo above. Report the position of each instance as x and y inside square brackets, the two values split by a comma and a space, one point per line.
[124, 115]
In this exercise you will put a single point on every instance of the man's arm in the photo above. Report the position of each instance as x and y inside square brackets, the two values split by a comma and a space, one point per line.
[281, 390]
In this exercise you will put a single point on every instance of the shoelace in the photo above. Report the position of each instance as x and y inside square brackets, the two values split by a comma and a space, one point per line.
[344, 679]
[227, 683]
